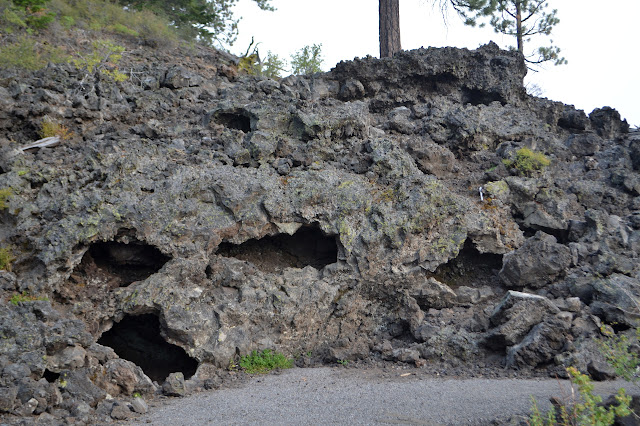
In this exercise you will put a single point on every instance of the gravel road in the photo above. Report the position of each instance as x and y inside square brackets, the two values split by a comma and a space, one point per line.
[361, 397]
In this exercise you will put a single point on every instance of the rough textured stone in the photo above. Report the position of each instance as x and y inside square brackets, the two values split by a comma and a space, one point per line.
[541, 344]
[174, 385]
[515, 316]
[139, 405]
[331, 214]
[121, 412]
[537, 263]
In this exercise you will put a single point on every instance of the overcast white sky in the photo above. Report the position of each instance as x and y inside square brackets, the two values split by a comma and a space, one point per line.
[599, 39]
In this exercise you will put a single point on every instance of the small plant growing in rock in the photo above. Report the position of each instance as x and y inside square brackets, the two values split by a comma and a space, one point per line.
[104, 59]
[527, 161]
[5, 194]
[51, 128]
[263, 362]
[586, 410]
[6, 257]
[17, 298]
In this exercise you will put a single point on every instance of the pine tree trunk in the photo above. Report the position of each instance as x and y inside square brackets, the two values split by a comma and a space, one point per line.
[389, 27]
[519, 27]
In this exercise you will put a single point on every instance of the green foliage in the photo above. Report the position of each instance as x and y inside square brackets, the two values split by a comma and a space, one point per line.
[122, 29]
[51, 128]
[6, 257]
[263, 362]
[12, 20]
[104, 59]
[5, 194]
[17, 298]
[273, 66]
[28, 14]
[522, 19]
[587, 410]
[527, 161]
[617, 350]
[307, 60]
[204, 20]
[103, 15]
[67, 22]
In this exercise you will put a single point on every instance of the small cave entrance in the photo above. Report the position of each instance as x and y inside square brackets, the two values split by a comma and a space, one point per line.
[235, 119]
[137, 339]
[309, 246]
[120, 263]
[50, 376]
[480, 97]
[470, 268]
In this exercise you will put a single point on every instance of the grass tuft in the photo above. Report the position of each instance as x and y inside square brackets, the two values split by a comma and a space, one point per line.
[263, 362]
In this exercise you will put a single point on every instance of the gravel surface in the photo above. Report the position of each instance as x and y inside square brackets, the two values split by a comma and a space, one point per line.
[359, 397]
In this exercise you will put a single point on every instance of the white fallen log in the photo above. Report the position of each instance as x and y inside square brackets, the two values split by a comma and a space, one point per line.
[46, 142]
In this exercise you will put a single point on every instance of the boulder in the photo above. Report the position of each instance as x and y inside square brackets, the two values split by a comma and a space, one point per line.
[174, 385]
[540, 345]
[515, 316]
[536, 264]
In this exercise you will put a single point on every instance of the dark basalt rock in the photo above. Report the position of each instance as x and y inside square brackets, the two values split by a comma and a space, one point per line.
[216, 213]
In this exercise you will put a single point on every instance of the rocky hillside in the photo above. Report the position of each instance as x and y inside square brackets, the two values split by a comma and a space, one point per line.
[422, 210]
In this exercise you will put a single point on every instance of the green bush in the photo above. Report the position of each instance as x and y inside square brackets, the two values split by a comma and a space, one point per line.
[6, 257]
[587, 410]
[105, 15]
[263, 362]
[527, 161]
[618, 351]
[103, 58]
[25, 53]
[122, 29]
[307, 60]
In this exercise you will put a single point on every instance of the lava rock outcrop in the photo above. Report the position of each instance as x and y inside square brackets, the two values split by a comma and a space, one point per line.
[337, 214]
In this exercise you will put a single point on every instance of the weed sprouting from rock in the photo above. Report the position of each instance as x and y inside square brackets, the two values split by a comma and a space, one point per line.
[6, 257]
[263, 362]
[527, 161]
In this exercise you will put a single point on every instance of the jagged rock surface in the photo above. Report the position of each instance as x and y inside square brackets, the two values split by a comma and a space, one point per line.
[336, 214]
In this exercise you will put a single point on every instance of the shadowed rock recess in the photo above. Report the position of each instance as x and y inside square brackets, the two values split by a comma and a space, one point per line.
[198, 214]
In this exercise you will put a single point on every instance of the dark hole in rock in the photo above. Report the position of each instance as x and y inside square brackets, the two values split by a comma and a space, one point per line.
[208, 272]
[562, 235]
[137, 339]
[470, 268]
[480, 97]
[619, 327]
[50, 376]
[234, 120]
[122, 263]
[307, 247]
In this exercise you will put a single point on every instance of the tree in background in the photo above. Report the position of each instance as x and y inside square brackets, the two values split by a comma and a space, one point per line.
[389, 14]
[307, 60]
[522, 19]
[204, 20]
[389, 19]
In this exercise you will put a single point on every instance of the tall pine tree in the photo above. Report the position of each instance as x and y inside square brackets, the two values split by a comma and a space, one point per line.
[521, 19]
[389, 13]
